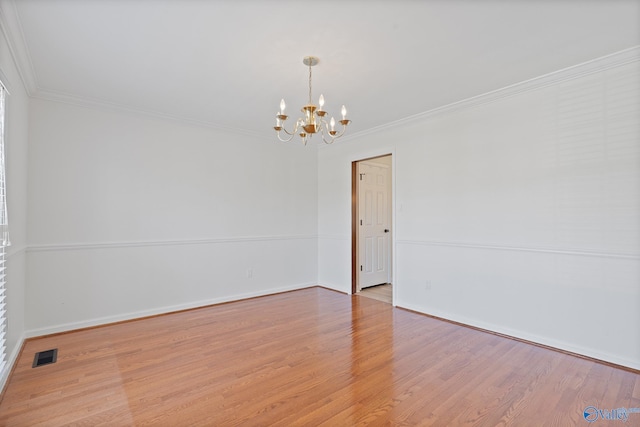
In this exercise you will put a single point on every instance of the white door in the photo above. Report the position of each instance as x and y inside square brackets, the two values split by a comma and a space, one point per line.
[374, 229]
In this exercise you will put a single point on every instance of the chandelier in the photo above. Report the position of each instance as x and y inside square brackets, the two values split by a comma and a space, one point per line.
[313, 120]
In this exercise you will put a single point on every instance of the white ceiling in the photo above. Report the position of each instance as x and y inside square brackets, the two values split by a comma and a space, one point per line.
[228, 63]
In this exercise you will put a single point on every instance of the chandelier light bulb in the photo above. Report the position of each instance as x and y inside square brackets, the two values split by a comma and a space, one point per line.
[282, 105]
[344, 112]
[332, 123]
[321, 101]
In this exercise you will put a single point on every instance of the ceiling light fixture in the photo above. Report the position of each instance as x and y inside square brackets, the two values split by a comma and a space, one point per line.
[313, 120]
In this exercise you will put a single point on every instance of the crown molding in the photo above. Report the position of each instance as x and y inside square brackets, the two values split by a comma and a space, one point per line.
[576, 71]
[12, 31]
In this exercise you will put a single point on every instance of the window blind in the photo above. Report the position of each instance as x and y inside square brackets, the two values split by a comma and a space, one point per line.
[4, 237]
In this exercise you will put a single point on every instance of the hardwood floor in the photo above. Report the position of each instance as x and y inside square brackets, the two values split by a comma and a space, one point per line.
[310, 357]
[380, 292]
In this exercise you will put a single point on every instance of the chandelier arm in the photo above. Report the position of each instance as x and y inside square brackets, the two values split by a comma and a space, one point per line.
[327, 142]
[287, 132]
[333, 137]
[322, 121]
[325, 130]
[344, 128]
[295, 129]
[287, 139]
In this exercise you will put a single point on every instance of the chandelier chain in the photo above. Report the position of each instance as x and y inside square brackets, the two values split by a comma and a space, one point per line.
[309, 84]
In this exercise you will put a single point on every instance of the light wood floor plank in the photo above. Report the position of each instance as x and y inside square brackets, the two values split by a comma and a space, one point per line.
[310, 357]
[379, 292]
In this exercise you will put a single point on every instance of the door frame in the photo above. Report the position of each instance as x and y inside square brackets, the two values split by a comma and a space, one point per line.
[355, 215]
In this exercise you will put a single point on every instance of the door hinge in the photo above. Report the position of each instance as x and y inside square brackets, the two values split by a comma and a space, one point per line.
[361, 175]
[360, 268]
[360, 222]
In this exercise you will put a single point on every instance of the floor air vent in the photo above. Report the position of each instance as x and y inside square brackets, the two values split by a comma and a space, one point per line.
[45, 358]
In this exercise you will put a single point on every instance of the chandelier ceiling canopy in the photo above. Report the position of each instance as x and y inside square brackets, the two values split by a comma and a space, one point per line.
[313, 119]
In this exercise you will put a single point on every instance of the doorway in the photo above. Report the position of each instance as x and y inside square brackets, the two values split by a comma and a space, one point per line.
[371, 225]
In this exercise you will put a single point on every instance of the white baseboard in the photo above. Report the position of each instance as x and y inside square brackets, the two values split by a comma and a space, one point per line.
[338, 288]
[11, 360]
[517, 334]
[32, 333]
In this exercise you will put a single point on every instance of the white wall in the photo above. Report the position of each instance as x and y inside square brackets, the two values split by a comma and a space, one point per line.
[16, 138]
[518, 214]
[132, 215]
